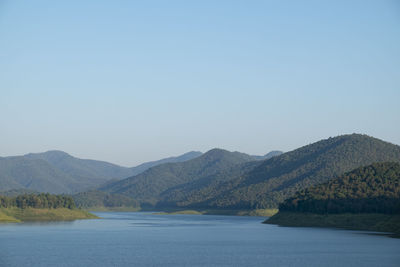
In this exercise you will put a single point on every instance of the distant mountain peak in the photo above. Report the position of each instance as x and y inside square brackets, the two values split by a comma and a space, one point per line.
[219, 153]
[50, 152]
[216, 151]
[50, 155]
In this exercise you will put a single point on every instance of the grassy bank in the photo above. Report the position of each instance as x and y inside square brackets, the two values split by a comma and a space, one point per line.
[258, 212]
[31, 214]
[364, 221]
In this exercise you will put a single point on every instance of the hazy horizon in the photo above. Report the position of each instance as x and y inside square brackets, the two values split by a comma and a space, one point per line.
[130, 82]
[175, 155]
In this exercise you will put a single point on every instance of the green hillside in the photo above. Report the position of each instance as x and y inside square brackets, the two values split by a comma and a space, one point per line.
[222, 180]
[82, 169]
[279, 178]
[148, 186]
[35, 174]
[147, 165]
[58, 172]
[367, 198]
[202, 189]
[371, 189]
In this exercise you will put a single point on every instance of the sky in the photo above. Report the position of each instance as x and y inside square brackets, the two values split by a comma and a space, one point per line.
[133, 81]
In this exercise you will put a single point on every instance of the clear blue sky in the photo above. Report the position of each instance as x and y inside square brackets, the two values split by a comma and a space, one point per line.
[130, 81]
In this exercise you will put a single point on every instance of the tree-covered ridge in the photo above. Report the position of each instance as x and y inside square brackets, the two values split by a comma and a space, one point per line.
[203, 189]
[279, 178]
[147, 186]
[38, 201]
[371, 189]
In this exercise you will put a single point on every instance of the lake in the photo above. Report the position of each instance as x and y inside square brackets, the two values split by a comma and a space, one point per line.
[145, 239]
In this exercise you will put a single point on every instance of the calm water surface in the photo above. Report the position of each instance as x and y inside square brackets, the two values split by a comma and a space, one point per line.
[144, 239]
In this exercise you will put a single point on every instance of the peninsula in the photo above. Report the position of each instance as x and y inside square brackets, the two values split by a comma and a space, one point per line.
[40, 207]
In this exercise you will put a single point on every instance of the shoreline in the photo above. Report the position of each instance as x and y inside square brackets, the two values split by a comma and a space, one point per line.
[18, 215]
[175, 211]
[385, 224]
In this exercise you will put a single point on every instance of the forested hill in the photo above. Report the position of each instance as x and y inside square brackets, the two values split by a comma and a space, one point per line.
[58, 172]
[82, 169]
[147, 186]
[272, 181]
[371, 189]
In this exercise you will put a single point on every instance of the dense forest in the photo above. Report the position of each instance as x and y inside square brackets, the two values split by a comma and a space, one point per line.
[39, 201]
[371, 189]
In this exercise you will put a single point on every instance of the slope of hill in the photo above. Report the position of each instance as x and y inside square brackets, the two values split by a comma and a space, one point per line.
[147, 165]
[35, 174]
[371, 189]
[148, 186]
[202, 189]
[86, 169]
[269, 155]
[278, 178]
[367, 198]
[98, 200]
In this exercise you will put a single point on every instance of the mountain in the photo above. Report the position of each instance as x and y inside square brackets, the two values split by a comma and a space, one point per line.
[145, 166]
[370, 189]
[35, 174]
[147, 186]
[58, 172]
[92, 171]
[278, 178]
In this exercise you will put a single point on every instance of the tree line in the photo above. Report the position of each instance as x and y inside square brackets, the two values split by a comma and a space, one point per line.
[39, 201]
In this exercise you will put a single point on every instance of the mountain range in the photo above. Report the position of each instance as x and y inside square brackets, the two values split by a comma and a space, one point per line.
[219, 179]
[215, 180]
[58, 172]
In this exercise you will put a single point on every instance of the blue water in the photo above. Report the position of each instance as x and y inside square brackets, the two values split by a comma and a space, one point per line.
[144, 239]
